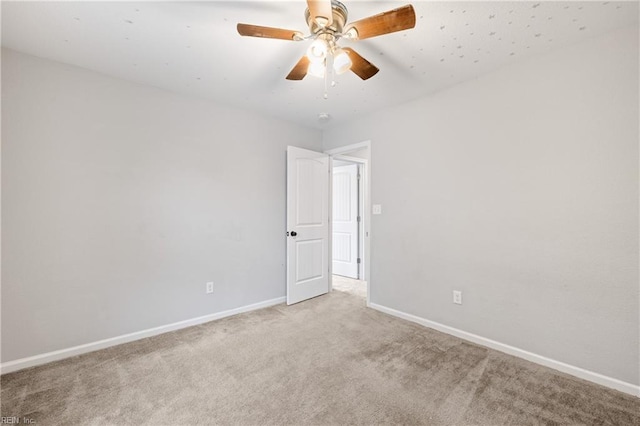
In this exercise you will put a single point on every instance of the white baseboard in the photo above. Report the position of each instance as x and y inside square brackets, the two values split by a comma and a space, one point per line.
[19, 364]
[581, 373]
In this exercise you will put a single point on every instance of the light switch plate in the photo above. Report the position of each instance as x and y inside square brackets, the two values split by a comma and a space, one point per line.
[377, 209]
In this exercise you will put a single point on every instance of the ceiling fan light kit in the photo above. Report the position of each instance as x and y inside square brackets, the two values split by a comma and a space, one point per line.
[326, 20]
[341, 61]
[316, 69]
[317, 51]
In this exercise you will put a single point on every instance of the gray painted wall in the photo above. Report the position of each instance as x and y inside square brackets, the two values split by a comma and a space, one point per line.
[120, 201]
[521, 191]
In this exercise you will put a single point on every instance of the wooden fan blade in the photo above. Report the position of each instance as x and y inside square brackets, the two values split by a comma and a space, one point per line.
[267, 32]
[299, 71]
[360, 66]
[391, 21]
[321, 9]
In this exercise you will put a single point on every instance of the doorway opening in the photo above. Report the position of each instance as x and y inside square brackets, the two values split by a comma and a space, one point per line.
[347, 227]
[309, 266]
[350, 219]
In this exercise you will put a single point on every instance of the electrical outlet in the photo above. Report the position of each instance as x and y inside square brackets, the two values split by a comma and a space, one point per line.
[209, 287]
[457, 297]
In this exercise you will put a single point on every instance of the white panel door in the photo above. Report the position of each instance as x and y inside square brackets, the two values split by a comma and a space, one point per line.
[345, 221]
[307, 224]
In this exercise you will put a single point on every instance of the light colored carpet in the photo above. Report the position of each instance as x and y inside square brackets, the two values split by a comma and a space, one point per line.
[349, 285]
[328, 360]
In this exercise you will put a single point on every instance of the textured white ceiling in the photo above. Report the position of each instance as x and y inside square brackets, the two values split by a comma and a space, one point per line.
[193, 47]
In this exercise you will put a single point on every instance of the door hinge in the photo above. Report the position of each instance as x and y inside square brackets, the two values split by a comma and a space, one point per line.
[358, 176]
[359, 218]
[358, 260]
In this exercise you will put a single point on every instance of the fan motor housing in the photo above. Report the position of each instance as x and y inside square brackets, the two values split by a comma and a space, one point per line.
[339, 12]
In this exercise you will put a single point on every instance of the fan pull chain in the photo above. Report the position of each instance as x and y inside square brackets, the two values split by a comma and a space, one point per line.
[326, 86]
[329, 74]
[333, 77]
[327, 70]
[331, 69]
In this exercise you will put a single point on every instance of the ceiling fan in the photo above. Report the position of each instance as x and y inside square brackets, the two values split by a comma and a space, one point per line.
[327, 21]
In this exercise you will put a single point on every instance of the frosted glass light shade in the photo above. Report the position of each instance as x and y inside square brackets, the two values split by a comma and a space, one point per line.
[317, 52]
[341, 61]
[316, 69]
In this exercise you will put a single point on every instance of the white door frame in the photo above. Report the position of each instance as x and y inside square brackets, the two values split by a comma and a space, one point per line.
[343, 153]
